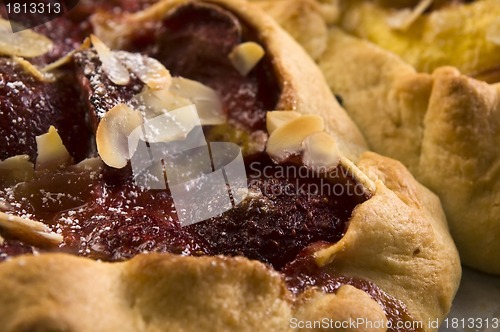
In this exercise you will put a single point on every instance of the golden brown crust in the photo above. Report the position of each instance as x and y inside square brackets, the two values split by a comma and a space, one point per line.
[378, 230]
[316, 306]
[157, 292]
[459, 161]
[303, 20]
[150, 292]
[397, 239]
[443, 126]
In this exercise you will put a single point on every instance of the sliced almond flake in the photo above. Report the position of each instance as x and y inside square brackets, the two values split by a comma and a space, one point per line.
[66, 58]
[113, 29]
[172, 126]
[320, 151]
[113, 68]
[276, 119]
[25, 43]
[206, 100]
[34, 71]
[245, 56]
[149, 70]
[51, 152]
[1, 240]
[113, 132]
[287, 140]
[14, 170]
[403, 19]
[360, 176]
[28, 231]
[156, 102]
[59, 62]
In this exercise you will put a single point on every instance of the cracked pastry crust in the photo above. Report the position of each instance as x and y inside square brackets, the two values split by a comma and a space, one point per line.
[177, 293]
[397, 239]
[443, 126]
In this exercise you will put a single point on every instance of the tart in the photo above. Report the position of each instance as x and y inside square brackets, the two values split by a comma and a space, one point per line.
[413, 106]
[88, 248]
[442, 125]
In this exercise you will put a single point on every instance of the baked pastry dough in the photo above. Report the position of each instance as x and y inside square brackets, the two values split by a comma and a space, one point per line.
[424, 120]
[394, 261]
[443, 126]
[305, 20]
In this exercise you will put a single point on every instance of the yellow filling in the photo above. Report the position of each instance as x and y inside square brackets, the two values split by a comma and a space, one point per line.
[464, 36]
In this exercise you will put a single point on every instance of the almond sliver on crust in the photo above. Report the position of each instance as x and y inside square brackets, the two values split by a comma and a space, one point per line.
[278, 119]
